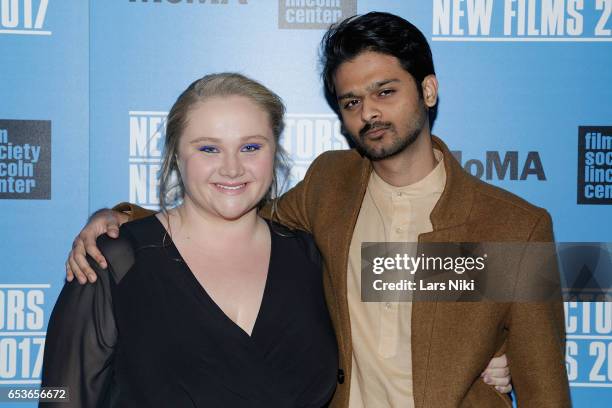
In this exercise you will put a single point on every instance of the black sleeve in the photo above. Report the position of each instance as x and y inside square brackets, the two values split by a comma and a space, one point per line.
[81, 336]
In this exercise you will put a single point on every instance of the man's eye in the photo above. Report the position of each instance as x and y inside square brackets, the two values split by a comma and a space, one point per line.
[252, 147]
[386, 92]
[351, 104]
[208, 149]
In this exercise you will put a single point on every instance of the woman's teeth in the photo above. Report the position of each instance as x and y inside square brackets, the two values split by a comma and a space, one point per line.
[231, 187]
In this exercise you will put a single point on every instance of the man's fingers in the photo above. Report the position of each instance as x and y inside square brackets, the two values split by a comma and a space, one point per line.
[77, 265]
[79, 255]
[112, 224]
[80, 276]
[93, 251]
[498, 362]
[87, 244]
[112, 230]
[504, 389]
[69, 274]
[497, 372]
[501, 381]
[83, 265]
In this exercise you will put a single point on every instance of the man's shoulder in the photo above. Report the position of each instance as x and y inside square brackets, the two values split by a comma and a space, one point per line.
[337, 173]
[504, 206]
[493, 195]
[487, 204]
[338, 159]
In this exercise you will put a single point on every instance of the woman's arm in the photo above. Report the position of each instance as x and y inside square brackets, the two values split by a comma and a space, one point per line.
[80, 342]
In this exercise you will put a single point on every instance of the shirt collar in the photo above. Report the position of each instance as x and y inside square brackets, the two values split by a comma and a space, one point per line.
[433, 183]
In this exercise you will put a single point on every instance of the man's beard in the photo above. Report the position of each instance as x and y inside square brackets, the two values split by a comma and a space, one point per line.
[399, 143]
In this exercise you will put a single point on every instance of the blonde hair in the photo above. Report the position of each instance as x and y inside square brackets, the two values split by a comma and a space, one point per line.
[171, 188]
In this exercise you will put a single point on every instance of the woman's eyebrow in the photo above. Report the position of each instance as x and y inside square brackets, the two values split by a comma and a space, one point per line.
[218, 140]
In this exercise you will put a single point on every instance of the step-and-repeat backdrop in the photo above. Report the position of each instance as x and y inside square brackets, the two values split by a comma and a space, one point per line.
[85, 86]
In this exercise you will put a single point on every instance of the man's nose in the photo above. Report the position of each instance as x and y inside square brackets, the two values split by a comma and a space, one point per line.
[369, 111]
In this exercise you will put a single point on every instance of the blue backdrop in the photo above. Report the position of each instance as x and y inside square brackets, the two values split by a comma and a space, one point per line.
[525, 90]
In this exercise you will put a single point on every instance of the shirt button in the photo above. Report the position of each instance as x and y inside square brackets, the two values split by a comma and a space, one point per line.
[399, 230]
[388, 306]
[340, 376]
[399, 193]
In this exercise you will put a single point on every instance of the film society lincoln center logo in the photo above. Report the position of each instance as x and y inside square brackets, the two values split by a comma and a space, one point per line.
[25, 159]
[594, 165]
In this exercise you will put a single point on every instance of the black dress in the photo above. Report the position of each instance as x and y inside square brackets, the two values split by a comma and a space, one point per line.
[148, 335]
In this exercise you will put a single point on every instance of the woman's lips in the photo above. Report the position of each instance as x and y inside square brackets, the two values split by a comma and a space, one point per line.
[230, 188]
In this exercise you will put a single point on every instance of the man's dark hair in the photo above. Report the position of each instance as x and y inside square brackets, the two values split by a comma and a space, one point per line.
[380, 32]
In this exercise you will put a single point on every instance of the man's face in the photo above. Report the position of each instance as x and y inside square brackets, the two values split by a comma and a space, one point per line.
[380, 104]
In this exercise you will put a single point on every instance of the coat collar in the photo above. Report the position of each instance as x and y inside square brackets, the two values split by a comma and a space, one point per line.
[454, 206]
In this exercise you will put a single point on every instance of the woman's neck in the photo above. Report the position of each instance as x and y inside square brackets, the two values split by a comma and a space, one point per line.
[189, 222]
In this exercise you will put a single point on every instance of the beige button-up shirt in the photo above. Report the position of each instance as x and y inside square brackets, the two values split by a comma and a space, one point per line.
[382, 359]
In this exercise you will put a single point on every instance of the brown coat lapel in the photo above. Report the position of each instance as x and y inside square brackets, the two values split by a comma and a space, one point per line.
[339, 231]
[449, 214]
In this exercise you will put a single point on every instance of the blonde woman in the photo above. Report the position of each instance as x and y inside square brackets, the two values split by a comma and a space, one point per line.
[206, 303]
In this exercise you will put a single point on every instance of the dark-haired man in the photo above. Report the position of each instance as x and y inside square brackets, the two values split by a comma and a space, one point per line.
[402, 184]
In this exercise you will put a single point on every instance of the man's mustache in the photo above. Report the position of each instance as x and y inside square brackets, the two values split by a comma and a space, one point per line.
[374, 126]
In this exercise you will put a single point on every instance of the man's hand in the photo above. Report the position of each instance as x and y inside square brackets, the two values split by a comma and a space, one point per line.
[497, 374]
[101, 222]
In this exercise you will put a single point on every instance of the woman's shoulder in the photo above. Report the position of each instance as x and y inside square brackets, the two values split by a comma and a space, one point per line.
[120, 252]
[285, 232]
[301, 240]
[142, 226]
[144, 232]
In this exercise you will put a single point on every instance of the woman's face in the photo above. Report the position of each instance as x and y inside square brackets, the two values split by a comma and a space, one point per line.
[226, 156]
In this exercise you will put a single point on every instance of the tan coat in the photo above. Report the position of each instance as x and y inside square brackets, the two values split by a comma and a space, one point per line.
[451, 342]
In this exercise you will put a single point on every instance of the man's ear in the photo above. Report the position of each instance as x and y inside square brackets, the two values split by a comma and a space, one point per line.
[430, 90]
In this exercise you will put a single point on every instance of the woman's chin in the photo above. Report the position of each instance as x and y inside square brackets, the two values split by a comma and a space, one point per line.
[231, 214]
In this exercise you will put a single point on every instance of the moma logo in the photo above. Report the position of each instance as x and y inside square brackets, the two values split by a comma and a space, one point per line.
[313, 14]
[507, 166]
[23, 17]
[594, 165]
[25, 159]
[147, 134]
[189, 1]
[308, 135]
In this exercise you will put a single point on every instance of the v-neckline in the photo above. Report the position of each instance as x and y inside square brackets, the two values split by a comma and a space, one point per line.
[195, 283]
